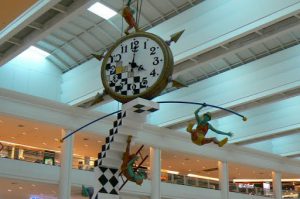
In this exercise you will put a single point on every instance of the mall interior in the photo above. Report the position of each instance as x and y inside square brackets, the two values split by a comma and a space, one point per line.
[241, 55]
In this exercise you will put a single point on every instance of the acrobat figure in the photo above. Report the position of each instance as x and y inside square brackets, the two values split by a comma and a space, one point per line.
[128, 16]
[127, 167]
[198, 134]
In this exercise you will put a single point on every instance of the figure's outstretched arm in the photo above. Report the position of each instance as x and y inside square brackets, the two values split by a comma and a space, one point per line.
[220, 132]
[198, 118]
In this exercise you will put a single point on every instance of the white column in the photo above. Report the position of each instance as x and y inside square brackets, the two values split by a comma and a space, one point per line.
[224, 179]
[155, 166]
[277, 186]
[66, 158]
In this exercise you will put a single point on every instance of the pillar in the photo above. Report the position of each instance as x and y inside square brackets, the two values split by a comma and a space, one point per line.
[223, 179]
[155, 167]
[277, 186]
[66, 158]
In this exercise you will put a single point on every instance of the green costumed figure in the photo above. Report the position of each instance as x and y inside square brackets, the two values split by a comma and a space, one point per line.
[128, 169]
[198, 134]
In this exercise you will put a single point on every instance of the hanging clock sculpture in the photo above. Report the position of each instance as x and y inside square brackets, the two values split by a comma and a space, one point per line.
[139, 64]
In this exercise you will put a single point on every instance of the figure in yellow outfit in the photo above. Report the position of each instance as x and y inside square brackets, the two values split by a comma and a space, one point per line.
[198, 134]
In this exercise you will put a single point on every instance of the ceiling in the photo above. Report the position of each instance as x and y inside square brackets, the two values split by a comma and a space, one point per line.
[43, 136]
[74, 40]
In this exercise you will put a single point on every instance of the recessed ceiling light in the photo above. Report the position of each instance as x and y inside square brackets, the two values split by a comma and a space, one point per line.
[102, 10]
[12, 137]
[20, 187]
[44, 143]
[9, 190]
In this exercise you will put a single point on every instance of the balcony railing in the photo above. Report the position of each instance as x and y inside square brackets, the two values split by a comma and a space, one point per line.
[38, 156]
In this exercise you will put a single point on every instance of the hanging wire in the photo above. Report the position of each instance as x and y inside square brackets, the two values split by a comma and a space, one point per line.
[122, 25]
[140, 11]
[137, 10]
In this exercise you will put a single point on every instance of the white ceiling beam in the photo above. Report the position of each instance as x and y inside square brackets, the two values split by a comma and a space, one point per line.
[170, 3]
[87, 46]
[161, 15]
[60, 8]
[18, 105]
[76, 8]
[96, 25]
[199, 93]
[69, 43]
[59, 48]
[15, 41]
[91, 34]
[36, 26]
[25, 19]
[267, 36]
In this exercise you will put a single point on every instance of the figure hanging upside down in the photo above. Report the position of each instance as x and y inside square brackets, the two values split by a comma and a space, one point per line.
[128, 16]
[198, 134]
[127, 167]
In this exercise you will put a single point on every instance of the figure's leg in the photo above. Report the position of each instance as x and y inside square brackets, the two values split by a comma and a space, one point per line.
[126, 154]
[215, 140]
[222, 142]
[209, 140]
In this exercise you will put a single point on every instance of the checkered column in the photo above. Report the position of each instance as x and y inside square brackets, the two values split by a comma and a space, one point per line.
[138, 109]
[106, 169]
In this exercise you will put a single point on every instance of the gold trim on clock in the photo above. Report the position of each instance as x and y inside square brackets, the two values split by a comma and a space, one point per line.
[160, 83]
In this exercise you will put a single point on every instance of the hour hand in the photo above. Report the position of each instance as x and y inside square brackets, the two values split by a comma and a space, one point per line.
[140, 68]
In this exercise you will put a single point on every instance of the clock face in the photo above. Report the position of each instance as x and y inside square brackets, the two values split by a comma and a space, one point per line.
[135, 65]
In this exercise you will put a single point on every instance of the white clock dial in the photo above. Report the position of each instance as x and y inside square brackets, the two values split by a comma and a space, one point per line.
[134, 66]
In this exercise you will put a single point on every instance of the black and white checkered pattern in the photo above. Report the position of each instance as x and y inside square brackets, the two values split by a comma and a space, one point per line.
[109, 180]
[140, 108]
[124, 82]
[108, 177]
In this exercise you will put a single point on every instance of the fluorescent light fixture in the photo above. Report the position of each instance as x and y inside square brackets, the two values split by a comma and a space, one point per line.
[102, 10]
[37, 51]
[202, 177]
[263, 180]
[170, 172]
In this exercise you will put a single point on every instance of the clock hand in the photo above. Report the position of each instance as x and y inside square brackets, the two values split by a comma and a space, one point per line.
[132, 63]
[140, 68]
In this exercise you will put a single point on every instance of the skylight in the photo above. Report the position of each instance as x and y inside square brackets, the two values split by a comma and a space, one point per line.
[102, 10]
[36, 51]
